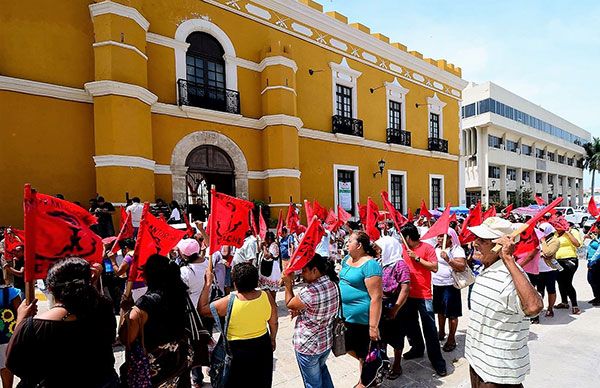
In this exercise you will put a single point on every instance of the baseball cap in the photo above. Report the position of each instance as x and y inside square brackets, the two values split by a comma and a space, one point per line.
[188, 247]
[492, 228]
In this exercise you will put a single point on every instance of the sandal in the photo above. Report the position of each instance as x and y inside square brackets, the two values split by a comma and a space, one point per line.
[575, 311]
[562, 306]
[549, 314]
[449, 347]
[393, 375]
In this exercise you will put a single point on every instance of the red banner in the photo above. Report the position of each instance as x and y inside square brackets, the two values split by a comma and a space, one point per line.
[307, 246]
[125, 232]
[55, 229]
[507, 210]
[539, 200]
[474, 218]
[292, 221]
[155, 237]
[538, 216]
[440, 226]
[262, 225]
[229, 220]
[342, 215]
[528, 242]
[592, 208]
[308, 208]
[372, 217]
[410, 217]
[490, 212]
[362, 213]
[332, 221]
[189, 231]
[397, 217]
[253, 226]
[424, 212]
[12, 239]
[319, 211]
[279, 223]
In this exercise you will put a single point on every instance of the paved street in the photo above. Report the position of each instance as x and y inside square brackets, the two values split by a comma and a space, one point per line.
[564, 352]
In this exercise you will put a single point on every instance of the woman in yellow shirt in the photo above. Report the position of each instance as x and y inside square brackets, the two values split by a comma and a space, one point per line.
[570, 240]
[251, 344]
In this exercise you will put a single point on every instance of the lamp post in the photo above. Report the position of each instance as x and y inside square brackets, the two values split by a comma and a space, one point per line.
[381, 164]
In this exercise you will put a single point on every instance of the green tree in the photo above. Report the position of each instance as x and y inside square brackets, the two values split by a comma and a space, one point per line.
[591, 159]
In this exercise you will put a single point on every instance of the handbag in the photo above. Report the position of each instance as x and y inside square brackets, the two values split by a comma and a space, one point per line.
[137, 363]
[338, 329]
[198, 336]
[463, 279]
[221, 356]
[375, 366]
[265, 266]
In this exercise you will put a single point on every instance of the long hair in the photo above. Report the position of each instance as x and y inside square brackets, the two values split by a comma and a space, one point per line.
[363, 239]
[324, 266]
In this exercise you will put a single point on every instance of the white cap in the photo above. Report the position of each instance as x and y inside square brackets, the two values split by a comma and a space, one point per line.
[492, 228]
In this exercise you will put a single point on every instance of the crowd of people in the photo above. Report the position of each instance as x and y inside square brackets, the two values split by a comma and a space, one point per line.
[384, 290]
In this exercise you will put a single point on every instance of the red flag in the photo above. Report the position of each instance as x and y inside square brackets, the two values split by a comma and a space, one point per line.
[538, 216]
[262, 225]
[490, 212]
[507, 210]
[453, 217]
[12, 239]
[410, 215]
[441, 225]
[229, 220]
[362, 213]
[372, 217]
[397, 217]
[528, 242]
[162, 217]
[123, 214]
[154, 238]
[592, 208]
[332, 221]
[292, 221]
[189, 231]
[55, 229]
[424, 211]
[125, 232]
[319, 210]
[308, 208]
[253, 226]
[343, 215]
[306, 248]
[280, 223]
[474, 218]
[539, 200]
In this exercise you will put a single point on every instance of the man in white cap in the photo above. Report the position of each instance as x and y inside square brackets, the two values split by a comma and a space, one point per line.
[502, 301]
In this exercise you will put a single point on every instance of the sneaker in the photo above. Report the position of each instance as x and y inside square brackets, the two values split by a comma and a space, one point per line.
[410, 355]
[441, 372]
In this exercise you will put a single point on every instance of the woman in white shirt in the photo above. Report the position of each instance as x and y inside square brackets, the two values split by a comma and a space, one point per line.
[447, 303]
[175, 217]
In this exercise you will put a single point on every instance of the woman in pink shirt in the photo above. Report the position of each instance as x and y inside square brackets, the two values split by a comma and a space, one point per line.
[529, 260]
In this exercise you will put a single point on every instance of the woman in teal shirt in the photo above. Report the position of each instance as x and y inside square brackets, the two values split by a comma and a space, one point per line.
[361, 289]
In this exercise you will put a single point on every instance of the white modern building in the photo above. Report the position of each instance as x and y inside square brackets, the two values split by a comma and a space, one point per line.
[511, 145]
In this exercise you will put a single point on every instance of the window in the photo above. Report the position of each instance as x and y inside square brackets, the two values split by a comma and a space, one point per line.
[494, 196]
[473, 197]
[526, 176]
[525, 149]
[551, 156]
[511, 196]
[560, 180]
[570, 161]
[434, 125]
[538, 177]
[395, 119]
[539, 153]
[550, 179]
[561, 159]
[494, 141]
[468, 110]
[511, 174]
[436, 193]
[494, 172]
[397, 191]
[343, 101]
[205, 71]
[346, 190]
[483, 106]
[512, 146]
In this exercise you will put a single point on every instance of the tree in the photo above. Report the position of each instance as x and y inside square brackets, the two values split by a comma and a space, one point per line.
[591, 160]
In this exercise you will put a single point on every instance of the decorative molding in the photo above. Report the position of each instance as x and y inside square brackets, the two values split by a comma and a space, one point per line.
[359, 141]
[104, 88]
[281, 119]
[442, 190]
[343, 74]
[396, 92]
[436, 106]
[166, 41]
[109, 7]
[274, 173]
[124, 161]
[404, 187]
[162, 169]
[277, 60]
[278, 87]
[122, 45]
[44, 89]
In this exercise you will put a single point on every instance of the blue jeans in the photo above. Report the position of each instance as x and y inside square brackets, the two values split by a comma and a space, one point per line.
[314, 370]
[423, 308]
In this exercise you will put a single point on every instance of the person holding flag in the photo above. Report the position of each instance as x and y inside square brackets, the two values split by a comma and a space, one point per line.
[268, 265]
[548, 274]
[570, 239]
[286, 247]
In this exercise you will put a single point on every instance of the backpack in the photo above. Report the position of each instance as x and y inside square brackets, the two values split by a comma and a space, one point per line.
[8, 318]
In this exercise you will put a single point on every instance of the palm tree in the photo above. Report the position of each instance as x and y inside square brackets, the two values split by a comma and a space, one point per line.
[592, 159]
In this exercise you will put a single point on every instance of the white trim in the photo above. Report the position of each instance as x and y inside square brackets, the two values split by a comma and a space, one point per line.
[362, 142]
[278, 87]
[277, 60]
[281, 205]
[275, 173]
[123, 161]
[343, 74]
[166, 41]
[109, 7]
[122, 45]
[44, 89]
[356, 198]
[435, 105]
[281, 119]
[201, 25]
[442, 190]
[404, 186]
[396, 92]
[162, 169]
[104, 88]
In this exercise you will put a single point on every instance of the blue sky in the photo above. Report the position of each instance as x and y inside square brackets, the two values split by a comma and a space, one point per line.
[546, 51]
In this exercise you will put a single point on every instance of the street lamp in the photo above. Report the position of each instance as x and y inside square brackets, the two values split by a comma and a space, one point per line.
[381, 164]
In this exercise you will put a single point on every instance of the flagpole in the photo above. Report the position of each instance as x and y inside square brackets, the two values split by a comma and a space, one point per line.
[213, 188]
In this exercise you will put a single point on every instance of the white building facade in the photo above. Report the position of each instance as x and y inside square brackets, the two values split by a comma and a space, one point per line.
[513, 146]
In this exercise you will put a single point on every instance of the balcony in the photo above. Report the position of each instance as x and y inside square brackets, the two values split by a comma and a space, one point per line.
[347, 125]
[208, 97]
[398, 136]
[437, 144]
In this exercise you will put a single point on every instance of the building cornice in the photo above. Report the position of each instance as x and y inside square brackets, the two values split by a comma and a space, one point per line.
[105, 88]
[280, 87]
[110, 7]
[275, 173]
[124, 161]
[166, 41]
[122, 45]
[44, 89]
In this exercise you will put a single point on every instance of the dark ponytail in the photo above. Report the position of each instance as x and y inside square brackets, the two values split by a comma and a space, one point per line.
[324, 266]
[363, 239]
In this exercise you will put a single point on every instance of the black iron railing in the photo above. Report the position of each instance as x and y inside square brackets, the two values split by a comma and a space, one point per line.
[437, 144]
[398, 136]
[347, 125]
[209, 97]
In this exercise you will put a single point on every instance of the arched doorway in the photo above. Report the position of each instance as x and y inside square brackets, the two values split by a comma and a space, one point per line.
[208, 165]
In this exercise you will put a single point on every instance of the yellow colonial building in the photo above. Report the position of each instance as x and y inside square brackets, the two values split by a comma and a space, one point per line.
[270, 100]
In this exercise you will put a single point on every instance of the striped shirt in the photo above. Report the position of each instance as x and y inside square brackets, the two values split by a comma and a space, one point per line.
[496, 342]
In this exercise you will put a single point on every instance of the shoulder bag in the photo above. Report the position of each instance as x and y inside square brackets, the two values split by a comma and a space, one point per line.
[338, 329]
[464, 278]
[221, 355]
[198, 336]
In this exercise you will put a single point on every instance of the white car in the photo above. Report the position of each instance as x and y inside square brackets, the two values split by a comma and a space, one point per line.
[576, 217]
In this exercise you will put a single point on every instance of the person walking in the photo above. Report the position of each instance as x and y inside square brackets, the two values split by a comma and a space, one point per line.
[361, 291]
[548, 273]
[570, 239]
[593, 265]
[316, 305]
[269, 268]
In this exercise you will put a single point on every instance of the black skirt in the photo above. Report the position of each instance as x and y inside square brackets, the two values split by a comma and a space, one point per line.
[251, 363]
[357, 339]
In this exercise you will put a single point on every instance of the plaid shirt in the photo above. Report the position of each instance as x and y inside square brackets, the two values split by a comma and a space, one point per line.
[312, 335]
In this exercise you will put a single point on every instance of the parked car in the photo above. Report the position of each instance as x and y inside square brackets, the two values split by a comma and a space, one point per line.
[576, 217]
